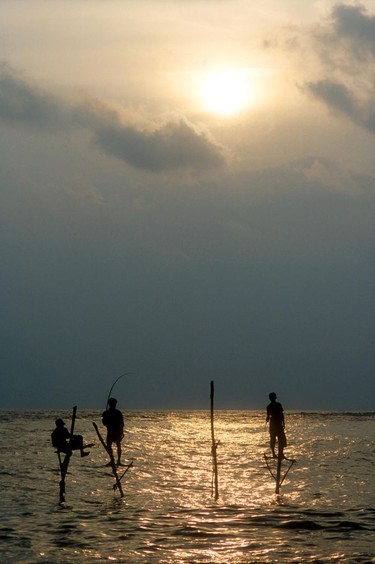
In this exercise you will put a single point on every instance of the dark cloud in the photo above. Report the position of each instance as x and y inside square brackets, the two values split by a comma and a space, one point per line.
[340, 98]
[354, 24]
[345, 47]
[25, 104]
[175, 145]
[169, 146]
[346, 39]
[335, 95]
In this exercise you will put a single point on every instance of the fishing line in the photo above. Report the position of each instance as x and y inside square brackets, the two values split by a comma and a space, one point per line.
[114, 383]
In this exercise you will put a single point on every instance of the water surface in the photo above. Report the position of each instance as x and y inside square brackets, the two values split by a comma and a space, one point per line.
[326, 511]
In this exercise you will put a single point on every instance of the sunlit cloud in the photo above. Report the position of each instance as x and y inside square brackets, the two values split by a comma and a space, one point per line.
[173, 145]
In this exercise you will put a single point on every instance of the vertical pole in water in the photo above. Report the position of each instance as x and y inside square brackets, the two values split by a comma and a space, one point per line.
[65, 463]
[214, 444]
[278, 471]
[73, 422]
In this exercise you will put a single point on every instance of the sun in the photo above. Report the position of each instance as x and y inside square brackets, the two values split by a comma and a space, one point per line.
[226, 91]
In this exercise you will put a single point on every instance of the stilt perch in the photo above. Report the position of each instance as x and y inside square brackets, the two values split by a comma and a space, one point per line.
[280, 474]
[113, 420]
[215, 479]
[112, 461]
[275, 417]
[64, 462]
[65, 443]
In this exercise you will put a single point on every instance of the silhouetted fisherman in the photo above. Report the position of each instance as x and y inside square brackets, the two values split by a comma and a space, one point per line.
[275, 415]
[64, 442]
[113, 419]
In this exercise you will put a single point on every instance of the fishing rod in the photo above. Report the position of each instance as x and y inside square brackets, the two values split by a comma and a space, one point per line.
[113, 385]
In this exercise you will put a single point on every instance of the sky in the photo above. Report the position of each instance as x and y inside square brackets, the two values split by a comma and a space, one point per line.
[187, 194]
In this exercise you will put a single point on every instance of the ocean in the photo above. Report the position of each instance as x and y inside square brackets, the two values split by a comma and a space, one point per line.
[324, 513]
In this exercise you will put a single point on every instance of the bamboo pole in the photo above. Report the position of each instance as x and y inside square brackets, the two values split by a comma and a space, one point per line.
[214, 445]
[65, 463]
[278, 477]
[112, 461]
[278, 470]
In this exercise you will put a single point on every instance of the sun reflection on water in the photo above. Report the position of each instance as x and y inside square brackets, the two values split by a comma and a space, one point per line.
[168, 514]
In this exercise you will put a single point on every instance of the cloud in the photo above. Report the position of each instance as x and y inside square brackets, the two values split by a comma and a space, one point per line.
[175, 145]
[329, 176]
[339, 98]
[335, 95]
[355, 25]
[344, 74]
[22, 103]
[345, 40]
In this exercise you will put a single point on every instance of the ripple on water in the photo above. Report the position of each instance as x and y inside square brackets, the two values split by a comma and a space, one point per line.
[325, 513]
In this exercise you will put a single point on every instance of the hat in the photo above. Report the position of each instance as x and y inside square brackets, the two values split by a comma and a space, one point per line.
[59, 423]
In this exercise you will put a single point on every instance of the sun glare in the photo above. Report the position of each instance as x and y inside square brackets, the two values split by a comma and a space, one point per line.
[226, 92]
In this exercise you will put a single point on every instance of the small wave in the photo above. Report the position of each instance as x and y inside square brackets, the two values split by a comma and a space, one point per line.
[188, 531]
[351, 525]
[300, 524]
[338, 414]
[7, 533]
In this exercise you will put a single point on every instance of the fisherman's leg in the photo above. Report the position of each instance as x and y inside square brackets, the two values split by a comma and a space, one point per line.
[110, 450]
[285, 443]
[63, 460]
[119, 451]
[77, 444]
[281, 439]
[273, 444]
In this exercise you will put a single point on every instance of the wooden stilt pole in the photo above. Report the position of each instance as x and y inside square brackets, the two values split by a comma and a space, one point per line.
[214, 445]
[127, 468]
[278, 470]
[278, 477]
[62, 480]
[64, 464]
[73, 423]
[112, 461]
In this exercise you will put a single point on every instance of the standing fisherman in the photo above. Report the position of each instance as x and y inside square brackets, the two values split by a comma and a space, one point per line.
[113, 419]
[275, 415]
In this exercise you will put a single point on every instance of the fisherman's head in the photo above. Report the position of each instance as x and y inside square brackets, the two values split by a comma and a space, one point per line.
[59, 423]
[112, 402]
[272, 396]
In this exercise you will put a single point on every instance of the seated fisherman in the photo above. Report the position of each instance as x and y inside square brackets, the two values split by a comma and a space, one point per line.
[64, 442]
